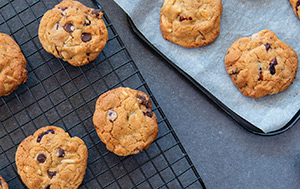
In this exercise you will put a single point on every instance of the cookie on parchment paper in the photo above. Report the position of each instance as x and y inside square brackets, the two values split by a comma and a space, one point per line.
[296, 7]
[50, 158]
[12, 65]
[124, 121]
[191, 23]
[261, 65]
[73, 32]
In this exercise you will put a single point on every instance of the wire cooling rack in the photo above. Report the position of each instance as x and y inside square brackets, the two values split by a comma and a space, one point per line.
[57, 93]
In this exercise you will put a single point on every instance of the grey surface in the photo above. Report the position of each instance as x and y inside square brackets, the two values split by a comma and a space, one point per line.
[226, 155]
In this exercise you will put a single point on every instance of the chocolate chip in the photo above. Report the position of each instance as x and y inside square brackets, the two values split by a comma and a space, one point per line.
[96, 12]
[112, 115]
[51, 174]
[142, 98]
[69, 27]
[297, 5]
[47, 187]
[63, 9]
[41, 158]
[61, 153]
[272, 66]
[85, 37]
[182, 18]
[57, 25]
[148, 113]
[268, 46]
[260, 76]
[144, 101]
[41, 135]
[87, 22]
[234, 72]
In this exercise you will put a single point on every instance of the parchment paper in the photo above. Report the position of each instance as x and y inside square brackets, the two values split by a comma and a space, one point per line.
[241, 18]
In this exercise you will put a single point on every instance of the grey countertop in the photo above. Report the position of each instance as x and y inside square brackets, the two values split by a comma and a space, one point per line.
[225, 154]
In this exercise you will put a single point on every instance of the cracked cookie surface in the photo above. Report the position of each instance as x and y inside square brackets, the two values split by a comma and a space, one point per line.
[73, 32]
[191, 23]
[51, 159]
[12, 65]
[261, 65]
[3, 184]
[124, 121]
[296, 7]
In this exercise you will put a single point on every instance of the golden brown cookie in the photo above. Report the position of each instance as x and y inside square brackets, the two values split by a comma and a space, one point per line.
[191, 23]
[3, 184]
[296, 7]
[12, 65]
[73, 32]
[124, 121]
[261, 64]
[50, 158]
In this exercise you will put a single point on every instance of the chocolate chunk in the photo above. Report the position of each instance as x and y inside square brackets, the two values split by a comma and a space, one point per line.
[112, 115]
[51, 174]
[190, 18]
[148, 113]
[47, 187]
[96, 12]
[85, 37]
[41, 136]
[87, 22]
[69, 27]
[41, 158]
[272, 66]
[61, 153]
[268, 46]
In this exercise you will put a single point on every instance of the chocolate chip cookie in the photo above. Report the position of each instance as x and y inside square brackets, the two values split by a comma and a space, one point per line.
[191, 23]
[73, 32]
[50, 158]
[296, 7]
[12, 65]
[124, 121]
[3, 184]
[261, 65]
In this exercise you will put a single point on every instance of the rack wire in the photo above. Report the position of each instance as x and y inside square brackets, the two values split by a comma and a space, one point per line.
[57, 93]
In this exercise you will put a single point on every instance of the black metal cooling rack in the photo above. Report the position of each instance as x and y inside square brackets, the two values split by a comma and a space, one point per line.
[57, 93]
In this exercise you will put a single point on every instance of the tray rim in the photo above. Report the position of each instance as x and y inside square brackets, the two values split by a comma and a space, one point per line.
[240, 120]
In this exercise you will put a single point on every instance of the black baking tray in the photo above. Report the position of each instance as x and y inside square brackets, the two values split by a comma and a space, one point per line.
[244, 123]
[57, 93]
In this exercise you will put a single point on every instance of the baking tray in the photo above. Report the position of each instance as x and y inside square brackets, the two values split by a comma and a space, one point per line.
[241, 121]
[57, 93]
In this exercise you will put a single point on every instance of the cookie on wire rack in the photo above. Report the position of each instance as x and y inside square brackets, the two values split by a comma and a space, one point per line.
[73, 32]
[50, 158]
[12, 65]
[3, 184]
[124, 121]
